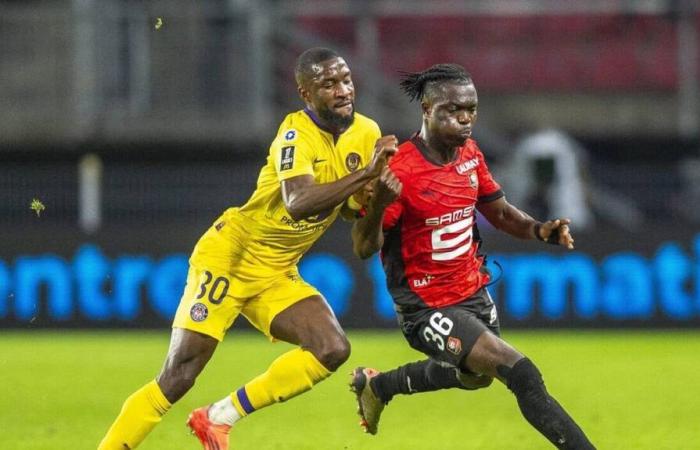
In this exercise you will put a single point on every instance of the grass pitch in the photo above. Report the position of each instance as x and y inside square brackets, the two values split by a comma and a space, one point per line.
[627, 389]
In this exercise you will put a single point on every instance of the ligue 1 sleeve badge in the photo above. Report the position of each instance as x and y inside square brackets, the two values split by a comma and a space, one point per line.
[199, 312]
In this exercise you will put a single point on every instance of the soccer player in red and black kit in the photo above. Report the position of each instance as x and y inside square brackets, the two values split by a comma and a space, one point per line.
[421, 214]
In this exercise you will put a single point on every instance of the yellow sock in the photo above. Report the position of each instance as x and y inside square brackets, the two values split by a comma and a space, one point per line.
[289, 375]
[141, 412]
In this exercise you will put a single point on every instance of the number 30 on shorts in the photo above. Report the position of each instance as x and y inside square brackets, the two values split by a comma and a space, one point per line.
[439, 326]
[217, 289]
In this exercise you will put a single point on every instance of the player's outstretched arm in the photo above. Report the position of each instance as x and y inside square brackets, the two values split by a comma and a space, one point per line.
[367, 233]
[304, 198]
[515, 222]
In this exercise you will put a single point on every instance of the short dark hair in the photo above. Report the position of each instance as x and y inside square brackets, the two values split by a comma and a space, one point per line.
[415, 84]
[311, 56]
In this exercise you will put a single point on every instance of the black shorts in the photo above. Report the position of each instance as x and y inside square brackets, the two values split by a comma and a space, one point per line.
[448, 334]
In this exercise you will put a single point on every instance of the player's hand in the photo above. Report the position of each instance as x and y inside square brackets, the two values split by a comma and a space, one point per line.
[384, 149]
[556, 232]
[386, 188]
[365, 194]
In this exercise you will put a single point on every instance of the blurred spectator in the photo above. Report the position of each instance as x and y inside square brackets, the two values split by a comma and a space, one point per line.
[544, 175]
[548, 174]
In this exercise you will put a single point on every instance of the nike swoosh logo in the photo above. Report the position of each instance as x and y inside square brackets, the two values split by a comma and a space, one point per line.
[316, 161]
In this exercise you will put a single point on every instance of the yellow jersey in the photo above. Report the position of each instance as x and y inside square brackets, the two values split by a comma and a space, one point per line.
[260, 240]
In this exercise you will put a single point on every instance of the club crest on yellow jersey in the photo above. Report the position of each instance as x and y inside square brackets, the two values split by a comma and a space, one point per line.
[352, 161]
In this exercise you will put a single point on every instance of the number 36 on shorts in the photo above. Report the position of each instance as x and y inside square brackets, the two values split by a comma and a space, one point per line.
[439, 327]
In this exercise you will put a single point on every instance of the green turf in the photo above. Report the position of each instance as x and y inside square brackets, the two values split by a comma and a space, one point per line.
[627, 389]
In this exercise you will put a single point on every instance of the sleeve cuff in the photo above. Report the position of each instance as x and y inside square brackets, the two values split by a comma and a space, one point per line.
[284, 175]
[491, 197]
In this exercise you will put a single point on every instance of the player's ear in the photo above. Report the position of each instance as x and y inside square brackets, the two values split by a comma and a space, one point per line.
[425, 107]
[304, 93]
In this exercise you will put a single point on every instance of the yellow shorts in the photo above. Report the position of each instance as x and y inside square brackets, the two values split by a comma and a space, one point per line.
[207, 307]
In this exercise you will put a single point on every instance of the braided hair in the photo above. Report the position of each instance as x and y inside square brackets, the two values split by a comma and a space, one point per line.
[415, 84]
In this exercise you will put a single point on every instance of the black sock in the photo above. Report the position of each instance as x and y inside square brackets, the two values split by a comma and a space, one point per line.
[420, 376]
[540, 409]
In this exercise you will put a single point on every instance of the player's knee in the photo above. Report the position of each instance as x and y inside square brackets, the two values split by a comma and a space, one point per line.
[333, 352]
[489, 353]
[501, 352]
[472, 381]
[482, 381]
[523, 378]
[176, 383]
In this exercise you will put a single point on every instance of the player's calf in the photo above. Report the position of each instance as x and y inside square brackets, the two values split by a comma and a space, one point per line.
[541, 409]
[425, 376]
[188, 355]
[332, 352]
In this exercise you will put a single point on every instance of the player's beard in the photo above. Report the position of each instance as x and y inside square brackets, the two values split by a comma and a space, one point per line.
[335, 120]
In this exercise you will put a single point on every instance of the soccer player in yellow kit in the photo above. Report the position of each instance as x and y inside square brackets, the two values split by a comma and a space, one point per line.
[247, 263]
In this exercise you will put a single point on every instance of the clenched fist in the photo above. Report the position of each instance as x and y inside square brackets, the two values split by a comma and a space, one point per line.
[384, 149]
[386, 188]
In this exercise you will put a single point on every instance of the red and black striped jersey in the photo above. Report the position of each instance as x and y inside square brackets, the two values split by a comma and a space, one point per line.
[429, 253]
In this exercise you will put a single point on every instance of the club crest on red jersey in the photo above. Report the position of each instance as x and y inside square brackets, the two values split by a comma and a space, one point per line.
[454, 345]
[473, 179]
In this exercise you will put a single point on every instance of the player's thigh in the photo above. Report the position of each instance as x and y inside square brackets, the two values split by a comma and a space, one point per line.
[448, 334]
[206, 305]
[483, 306]
[489, 353]
[310, 323]
[291, 304]
[445, 334]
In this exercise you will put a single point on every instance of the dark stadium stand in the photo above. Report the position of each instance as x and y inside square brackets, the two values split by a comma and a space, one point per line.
[538, 53]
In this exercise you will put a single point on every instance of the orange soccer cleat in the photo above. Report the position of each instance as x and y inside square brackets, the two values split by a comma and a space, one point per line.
[213, 436]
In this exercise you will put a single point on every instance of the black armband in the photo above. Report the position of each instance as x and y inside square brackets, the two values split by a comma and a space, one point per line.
[553, 236]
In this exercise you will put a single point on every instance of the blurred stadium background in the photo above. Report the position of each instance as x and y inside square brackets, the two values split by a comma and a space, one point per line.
[136, 136]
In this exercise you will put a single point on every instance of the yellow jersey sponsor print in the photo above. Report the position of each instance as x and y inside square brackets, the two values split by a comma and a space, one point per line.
[260, 240]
